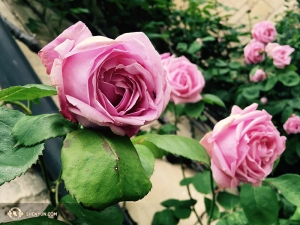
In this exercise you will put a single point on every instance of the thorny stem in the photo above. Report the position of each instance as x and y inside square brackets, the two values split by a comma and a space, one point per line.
[211, 211]
[189, 192]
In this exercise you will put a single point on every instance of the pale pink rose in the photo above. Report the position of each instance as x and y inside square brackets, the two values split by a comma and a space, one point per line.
[185, 79]
[120, 84]
[280, 54]
[264, 100]
[264, 32]
[254, 52]
[292, 125]
[243, 147]
[259, 75]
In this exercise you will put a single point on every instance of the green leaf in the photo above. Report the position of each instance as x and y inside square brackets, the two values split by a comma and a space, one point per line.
[271, 81]
[235, 65]
[294, 103]
[147, 158]
[235, 218]
[286, 113]
[111, 215]
[30, 130]
[208, 38]
[289, 79]
[260, 204]
[181, 46]
[14, 161]
[194, 47]
[178, 145]
[223, 71]
[213, 99]
[216, 213]
[288, 185]
[167, 129]
[194, 110]
[275, 107]
[186, 181]
[227, 200]
[296, 215]
[27, 92]
[165, 217]
[157, 152]
[251, 92]
[108, 166]
[178, 203]
[220, 63]
[201, 182]
[182, 212]
[37, 221]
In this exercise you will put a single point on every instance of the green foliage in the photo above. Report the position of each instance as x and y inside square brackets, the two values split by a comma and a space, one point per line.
[108, 163]
[260, 204]
[208, 204]
[147, 158]
[201, 182]
[288, 184]
[111, 215]
[27, 92]
[178, 145]
[235, 218]
[212, 99]
[31, 130]
[14, 161]
[227, 200]
[165, 217]
[194, 110]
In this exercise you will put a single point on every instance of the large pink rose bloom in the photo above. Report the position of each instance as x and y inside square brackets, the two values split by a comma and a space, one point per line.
[253, 52]
[292, 125]
[264, 32]
[259, 75]
[280, 54]
[185, 79]
[243, 147]
[117, 83]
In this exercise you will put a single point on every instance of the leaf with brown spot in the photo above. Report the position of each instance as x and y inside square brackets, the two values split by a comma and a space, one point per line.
[100, 153]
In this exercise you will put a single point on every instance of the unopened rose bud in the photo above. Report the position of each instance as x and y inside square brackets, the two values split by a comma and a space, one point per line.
[264, 100]
[200, 42]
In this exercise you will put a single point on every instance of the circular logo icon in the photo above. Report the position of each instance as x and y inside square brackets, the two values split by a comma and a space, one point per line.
[15, 213]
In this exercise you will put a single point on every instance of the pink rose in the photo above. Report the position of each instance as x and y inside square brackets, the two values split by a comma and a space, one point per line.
[264, 32]
[292, 125]
[243, 147]
[184, 77]
[118, 83]
[253, 52]
[258, 76]
[280, 54]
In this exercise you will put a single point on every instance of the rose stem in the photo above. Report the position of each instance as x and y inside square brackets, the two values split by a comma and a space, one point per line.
[189, 192]
[211, 211]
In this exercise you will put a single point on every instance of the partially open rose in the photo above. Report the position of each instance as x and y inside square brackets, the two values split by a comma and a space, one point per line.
[292, 125]
[185, 79]
[243, 147]
[117, 83]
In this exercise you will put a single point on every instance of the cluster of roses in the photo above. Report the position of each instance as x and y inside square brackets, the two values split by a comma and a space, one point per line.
[124, 84]
[263, 34]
